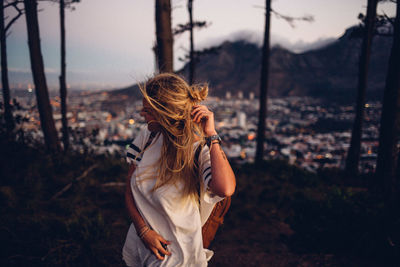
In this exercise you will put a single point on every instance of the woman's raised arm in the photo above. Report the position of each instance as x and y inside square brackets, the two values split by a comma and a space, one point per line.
[223, 181]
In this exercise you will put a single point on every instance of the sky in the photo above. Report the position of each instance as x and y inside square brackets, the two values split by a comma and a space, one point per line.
[110, 45]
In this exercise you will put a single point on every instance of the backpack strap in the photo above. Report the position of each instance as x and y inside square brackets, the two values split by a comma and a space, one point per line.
[151, 137]
[149, 140]
[197, 168]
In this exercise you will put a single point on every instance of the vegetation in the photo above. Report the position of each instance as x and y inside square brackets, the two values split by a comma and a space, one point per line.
[280, 214]
[84, 226]
[68, 209]
[284, 216]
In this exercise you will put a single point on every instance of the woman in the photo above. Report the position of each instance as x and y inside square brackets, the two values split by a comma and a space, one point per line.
[178, 171]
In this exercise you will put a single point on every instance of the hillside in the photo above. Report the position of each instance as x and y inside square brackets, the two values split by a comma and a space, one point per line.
[280, 215]
[324, 72]
[328, 72]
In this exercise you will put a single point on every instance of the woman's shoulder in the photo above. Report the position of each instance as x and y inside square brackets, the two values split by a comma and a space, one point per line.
[201, 150]
[140, 139]
[143, 133]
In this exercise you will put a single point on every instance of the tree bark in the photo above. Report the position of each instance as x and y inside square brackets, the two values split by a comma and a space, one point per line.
[39, 78]
[63, 85]
[353, 154]
[263, 86]
[191, 55]
[164, 36]
[389, 127]
[4, 76]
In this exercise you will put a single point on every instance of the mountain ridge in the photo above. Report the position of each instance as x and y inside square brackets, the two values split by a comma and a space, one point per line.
[329, 72]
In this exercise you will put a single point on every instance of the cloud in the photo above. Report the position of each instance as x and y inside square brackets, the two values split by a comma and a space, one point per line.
[301, 46]
[256, 37]
[242, 35]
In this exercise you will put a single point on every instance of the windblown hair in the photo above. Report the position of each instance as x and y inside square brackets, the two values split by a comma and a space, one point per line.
[172, 100]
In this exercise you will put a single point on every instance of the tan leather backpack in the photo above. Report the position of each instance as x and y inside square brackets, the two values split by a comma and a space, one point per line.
[216, 218]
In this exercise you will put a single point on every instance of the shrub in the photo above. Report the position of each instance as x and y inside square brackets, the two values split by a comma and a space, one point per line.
[342, 222]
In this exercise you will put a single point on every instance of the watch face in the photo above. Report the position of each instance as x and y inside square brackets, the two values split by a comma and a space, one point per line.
[215, 137]
[209, 139]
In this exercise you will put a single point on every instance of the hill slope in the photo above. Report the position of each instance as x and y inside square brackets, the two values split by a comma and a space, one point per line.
[324, 72]
[328, 72]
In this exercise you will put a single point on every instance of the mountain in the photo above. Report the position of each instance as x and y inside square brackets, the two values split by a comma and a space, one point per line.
[329, 72]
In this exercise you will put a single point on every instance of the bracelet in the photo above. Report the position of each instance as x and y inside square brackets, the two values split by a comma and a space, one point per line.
[212, 138]
[217, 141]
[143, 231]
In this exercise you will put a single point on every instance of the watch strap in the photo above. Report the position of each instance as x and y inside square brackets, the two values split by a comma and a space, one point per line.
[212, 138]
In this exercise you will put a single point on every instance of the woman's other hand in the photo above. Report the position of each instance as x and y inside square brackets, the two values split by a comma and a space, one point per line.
[156, 244]
[201, 114]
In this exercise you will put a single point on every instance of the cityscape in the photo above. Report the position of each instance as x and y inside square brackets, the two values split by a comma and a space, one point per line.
[307, 132]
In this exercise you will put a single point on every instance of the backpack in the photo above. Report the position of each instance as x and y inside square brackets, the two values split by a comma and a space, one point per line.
[215, 220]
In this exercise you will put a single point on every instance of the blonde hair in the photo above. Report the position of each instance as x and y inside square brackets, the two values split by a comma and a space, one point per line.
[172, 100]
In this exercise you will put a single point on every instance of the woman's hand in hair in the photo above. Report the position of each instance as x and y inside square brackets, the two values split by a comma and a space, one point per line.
[156, 244]
[201, 114]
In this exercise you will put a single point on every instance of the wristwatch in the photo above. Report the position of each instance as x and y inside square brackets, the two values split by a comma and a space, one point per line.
[211, 138]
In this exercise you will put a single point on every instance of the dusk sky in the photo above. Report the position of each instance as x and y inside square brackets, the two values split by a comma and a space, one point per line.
[109, 43]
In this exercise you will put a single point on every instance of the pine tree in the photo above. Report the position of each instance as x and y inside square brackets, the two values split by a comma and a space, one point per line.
[353, 154]
[262, 114]
[9, 119]
[164, 45]
[39, 78]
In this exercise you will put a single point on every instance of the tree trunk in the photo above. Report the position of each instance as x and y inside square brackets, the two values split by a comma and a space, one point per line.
[63, 85]
[389, 128]
[164, 36]
[39, 78]
[263, 87]
[191, 55]
[353, 154]
[4, 76]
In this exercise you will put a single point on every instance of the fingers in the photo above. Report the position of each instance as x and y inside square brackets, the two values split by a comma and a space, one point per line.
[162, 245]
[163, 250]
[198, 108]
[163, 240]
[156, 253]
[157, 244]
[200, 113]
[199, 116]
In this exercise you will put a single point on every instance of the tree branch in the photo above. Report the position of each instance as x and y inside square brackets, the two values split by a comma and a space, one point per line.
[291, 20]
[8, 4]
[390, 20]
[200, 53]
[68, 4]
[181, 28]
[288, 19]
[114, 184]
[20, 13]
[68, 186]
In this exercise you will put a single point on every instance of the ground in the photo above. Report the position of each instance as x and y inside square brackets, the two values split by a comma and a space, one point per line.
[280, 215]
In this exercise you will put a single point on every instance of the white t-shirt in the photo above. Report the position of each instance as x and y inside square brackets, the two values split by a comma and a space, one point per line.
[177, 221]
